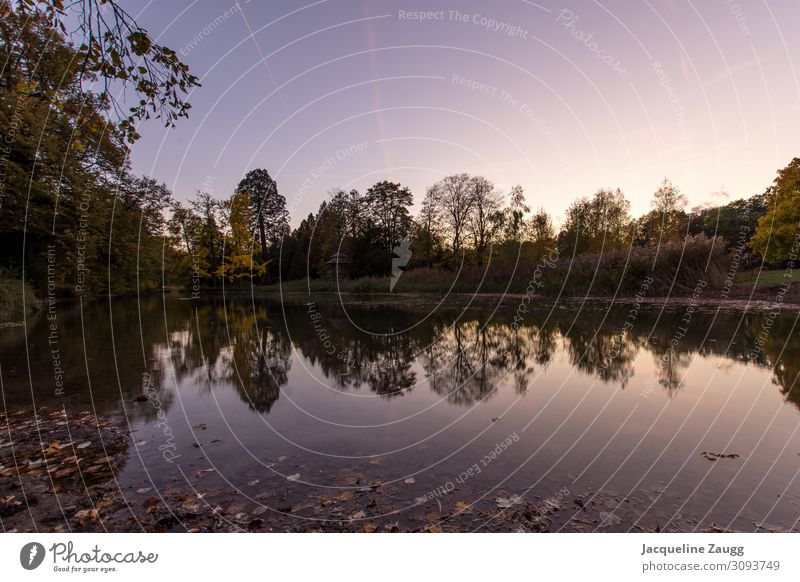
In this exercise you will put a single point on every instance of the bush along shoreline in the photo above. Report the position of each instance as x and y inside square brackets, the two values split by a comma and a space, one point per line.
[17, 299]
[673, 268]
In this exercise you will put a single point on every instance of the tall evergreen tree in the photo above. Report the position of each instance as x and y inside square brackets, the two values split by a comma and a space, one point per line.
[270, 216]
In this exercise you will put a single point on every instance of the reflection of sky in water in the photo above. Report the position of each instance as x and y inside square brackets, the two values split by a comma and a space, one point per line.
[260, 396]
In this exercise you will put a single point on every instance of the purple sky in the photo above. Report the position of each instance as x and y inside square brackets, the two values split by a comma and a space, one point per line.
[562, 98]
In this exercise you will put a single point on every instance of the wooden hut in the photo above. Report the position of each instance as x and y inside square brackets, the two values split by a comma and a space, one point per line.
[338, 266]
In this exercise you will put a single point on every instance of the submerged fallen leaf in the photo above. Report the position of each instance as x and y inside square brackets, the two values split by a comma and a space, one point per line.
[609, 518]
[506, 502]
[462, 506]
[715, 456]
[86, 515]
[370, 527]
[552, 504]
[767, 527]
[65, 472]
[295, 477]
[409, 480]
[353, 479]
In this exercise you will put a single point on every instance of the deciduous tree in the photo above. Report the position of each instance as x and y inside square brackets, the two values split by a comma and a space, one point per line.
[777, 236]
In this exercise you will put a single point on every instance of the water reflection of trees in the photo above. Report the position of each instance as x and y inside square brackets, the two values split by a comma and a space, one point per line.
[607, 354]
[233, 343]
[460, 364]
[350, 357]
[464, 357]
[468, 359]
[778, 345]
[104, 355]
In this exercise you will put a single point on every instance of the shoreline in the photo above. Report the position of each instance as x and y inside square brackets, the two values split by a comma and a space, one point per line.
[758, 302]
[744, 298]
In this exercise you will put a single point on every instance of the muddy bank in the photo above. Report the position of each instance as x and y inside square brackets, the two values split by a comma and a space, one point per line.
[764, 299]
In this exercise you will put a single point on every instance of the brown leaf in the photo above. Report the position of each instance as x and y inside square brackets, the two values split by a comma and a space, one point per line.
[65, 472]
[552, 504]
[715, 456]
[85, 516]
[506, 502]
[609, 518]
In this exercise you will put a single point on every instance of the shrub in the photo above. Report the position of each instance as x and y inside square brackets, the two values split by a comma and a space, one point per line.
[15, 298]
[675, 268]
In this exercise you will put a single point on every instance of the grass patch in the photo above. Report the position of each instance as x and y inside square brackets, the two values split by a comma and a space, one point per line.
[768, 278]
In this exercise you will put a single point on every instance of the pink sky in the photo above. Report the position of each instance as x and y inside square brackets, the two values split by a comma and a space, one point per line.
[562, 98]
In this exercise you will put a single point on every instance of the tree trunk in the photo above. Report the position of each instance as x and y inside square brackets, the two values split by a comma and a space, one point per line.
[263, 235]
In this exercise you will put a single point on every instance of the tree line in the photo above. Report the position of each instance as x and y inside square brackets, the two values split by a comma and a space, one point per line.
[466, 220]
[72, 209]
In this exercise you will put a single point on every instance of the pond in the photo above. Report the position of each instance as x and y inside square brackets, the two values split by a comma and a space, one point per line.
[324, 415]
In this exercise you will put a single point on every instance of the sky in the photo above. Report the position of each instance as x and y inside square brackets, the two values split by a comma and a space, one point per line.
[562, 98]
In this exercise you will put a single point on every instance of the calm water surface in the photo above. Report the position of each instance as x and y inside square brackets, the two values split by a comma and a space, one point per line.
[296, 404]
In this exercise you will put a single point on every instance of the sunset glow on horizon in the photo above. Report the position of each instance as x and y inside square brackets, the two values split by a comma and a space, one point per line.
[560, 98]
